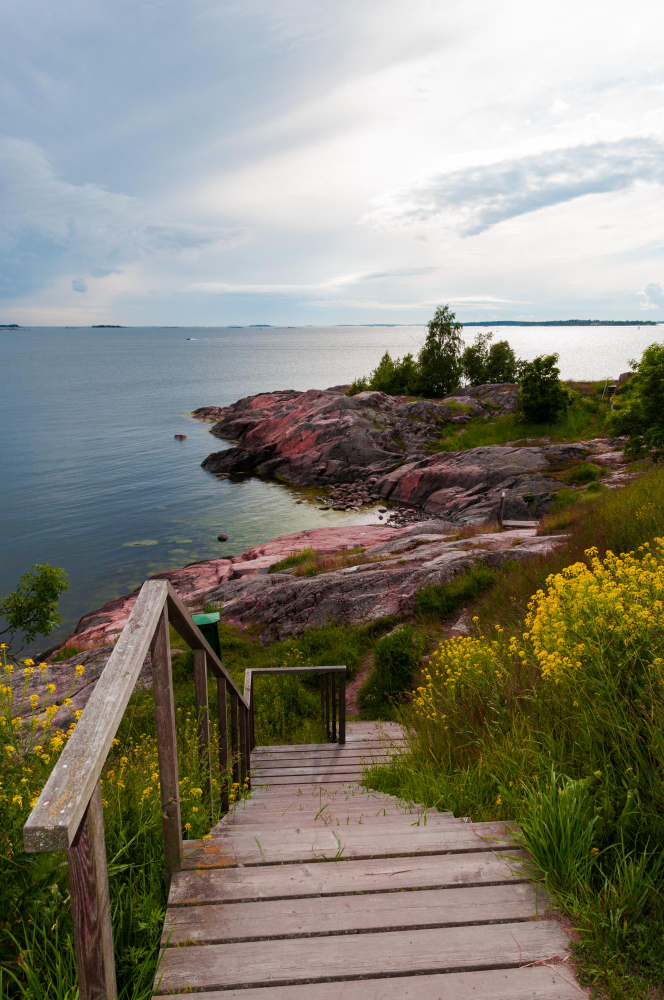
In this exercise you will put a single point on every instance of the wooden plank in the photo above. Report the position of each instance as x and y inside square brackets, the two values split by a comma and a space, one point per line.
[218, 923]
[235, 739]
[167, 748]
[90, 906]
[298, 670]
[550, 982]
[367, 819]
[291, 760]
[57, 816]
[321, 775]
[234, 845]
[434, 950]
[350, 744]
[266, 773]
[312, 879]
[342, 708]
[203, 720]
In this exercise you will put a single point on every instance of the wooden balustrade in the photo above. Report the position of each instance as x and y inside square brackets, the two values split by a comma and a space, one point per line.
[332, 696]
[69, 813]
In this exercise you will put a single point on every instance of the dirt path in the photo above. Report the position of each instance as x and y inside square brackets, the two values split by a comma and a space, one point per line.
[353, 687]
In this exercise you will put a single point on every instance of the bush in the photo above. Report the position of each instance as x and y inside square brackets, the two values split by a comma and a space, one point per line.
[642, 417]
[586, 473]
[442, 600]
[396, 658]
[543, 397]
[486, 365]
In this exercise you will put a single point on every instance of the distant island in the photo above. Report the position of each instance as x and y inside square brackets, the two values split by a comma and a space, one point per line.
[10, 326]
[107, 326]
[565, 322]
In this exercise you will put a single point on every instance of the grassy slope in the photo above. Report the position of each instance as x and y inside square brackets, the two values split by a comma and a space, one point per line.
[501, 764]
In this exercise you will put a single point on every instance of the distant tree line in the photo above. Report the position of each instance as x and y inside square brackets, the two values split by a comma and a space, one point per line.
[443, 365]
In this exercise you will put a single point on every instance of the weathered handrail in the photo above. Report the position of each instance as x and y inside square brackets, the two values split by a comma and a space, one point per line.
[332, 696]
[69, 813]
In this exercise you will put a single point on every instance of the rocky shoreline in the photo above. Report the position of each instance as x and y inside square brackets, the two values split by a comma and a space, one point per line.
[436, 509]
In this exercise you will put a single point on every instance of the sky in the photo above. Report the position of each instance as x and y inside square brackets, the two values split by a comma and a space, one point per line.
[197, 162]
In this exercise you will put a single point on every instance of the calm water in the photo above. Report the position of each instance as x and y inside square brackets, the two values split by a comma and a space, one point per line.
[93, 480]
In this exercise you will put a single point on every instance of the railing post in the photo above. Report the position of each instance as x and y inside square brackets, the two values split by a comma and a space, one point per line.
[327, 705]
[90, 906]
[333, 684]
[222, 716]
[235, 746]
[203, 719]
[342, 706]
[164, 709]
[244, 741]
[253, 714]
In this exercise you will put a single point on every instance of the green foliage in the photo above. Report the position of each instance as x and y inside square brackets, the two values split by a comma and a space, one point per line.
[439, 359]
[484, 365]
[396, 658]
[588, 472]
[583, 419]
[444, 599]
[543, 397]
[642, 415]
[294, 559]
[32, 609]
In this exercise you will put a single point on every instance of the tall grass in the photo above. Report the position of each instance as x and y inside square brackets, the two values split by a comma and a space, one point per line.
[36, 947]
[552, 714]
[585, 418]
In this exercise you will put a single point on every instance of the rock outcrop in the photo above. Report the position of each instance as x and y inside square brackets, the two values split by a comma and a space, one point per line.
[387, 568]
[386, 446]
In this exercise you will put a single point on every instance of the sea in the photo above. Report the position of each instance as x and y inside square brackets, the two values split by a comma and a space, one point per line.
[94, 481]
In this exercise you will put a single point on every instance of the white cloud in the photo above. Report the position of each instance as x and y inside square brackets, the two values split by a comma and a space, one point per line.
[653, 296]
[472, 200]
[559, 107]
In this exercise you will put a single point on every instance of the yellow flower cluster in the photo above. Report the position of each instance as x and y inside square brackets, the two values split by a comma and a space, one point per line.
[614, 602]
[459, 668]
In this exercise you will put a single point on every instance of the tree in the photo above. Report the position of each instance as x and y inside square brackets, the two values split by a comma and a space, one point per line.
[32, 609]
[440, 357]
[543, 397]
[382, 377]
[475, 358]
[642, 416]
[502, 365]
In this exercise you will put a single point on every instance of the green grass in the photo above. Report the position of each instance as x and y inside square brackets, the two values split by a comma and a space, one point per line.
[444, 599]
[294, 559]
[587, 472]
[578, 768]
[36, 948]
[586, 418]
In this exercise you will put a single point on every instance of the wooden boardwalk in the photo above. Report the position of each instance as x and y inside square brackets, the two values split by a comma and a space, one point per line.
[415, 905]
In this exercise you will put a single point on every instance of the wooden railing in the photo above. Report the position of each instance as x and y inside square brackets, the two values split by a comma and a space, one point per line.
[69, 816]
[69, 813]
[332, 696]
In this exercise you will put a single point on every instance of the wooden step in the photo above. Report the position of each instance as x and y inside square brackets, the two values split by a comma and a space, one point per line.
[235, 846]
[546, 982]
[218, 923]
[292, 820]
[422, 951]
[189, 888]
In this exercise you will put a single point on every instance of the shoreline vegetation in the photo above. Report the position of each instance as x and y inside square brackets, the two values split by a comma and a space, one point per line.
[532, 690]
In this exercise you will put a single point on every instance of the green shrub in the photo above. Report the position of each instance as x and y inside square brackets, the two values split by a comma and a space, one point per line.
[543, 397]
[642, 415]
[444, 599]
[396, 658]
[586, 473]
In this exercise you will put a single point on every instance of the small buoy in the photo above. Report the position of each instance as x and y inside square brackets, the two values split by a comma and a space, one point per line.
[180, 437]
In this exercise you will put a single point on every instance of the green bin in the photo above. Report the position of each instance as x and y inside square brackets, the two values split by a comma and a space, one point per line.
[209, 626]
